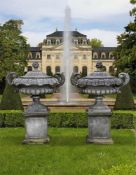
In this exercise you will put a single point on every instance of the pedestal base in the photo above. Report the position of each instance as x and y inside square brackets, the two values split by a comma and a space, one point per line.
[36, 141]
[99, 123]
[36, 123]
[36, 130]
[99, 141]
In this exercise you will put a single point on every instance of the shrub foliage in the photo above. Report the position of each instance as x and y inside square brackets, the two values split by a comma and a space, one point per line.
[11, 100]
[119, 119]
[124, 100]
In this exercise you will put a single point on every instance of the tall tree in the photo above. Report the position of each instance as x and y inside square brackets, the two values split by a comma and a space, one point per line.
[126, 50]
[13, 48]
[94, 42]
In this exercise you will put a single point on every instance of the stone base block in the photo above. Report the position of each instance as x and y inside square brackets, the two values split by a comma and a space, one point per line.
[100, 141]
[36, 141]
[36, 130]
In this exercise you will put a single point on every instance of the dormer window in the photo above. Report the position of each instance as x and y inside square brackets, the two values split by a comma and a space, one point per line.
[84, 42]
[48, 42]
[76, 42]
[103, 56]
[111, 55]
[30, 55]
[95, 55]
[37, 55]
[57, 42]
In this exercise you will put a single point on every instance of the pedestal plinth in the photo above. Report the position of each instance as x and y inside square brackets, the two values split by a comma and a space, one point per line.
[99, 123]
[36, 123]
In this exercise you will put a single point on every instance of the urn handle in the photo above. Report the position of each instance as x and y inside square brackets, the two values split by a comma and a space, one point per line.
[60, 77]
[10, 77]
[125, 78]
[74, 78]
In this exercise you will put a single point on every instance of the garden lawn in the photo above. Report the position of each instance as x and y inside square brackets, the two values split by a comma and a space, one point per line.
[66, 154]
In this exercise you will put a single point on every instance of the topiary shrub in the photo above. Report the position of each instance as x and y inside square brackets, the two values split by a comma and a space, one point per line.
[11, 100]
[124, 100]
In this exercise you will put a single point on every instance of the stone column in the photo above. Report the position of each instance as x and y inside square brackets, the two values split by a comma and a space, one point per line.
[99, 123]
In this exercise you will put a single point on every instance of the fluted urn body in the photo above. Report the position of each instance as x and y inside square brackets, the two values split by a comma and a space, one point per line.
[36, 83]
[98, 84]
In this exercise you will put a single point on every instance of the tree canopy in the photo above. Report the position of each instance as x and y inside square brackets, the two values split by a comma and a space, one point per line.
[13, 48]
[94, 42]
[126, 50]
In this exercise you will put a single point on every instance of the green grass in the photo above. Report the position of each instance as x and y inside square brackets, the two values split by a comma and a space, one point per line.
[66, 154]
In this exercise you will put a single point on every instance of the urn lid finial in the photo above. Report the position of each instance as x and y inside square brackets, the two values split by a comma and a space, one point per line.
[99, 66]
[35, 65]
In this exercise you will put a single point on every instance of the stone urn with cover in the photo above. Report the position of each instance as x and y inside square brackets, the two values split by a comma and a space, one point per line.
[36, 83]
[98, 84]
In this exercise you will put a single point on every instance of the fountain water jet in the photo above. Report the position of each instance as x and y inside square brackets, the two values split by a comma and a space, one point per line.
[67, 63]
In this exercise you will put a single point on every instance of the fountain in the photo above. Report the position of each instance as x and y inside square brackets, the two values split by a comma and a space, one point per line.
[99, 83]
[36, 83]
[67, 63]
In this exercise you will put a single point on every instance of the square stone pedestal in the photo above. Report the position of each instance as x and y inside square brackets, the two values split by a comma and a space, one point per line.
[99, 130]
[99, 123]
[36, 123]
[36, 130]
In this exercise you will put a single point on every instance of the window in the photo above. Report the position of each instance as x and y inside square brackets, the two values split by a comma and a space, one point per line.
[104, 69]
[95, 55]
[75, 57]
[84, 42]
[48, 42]
[57, 42]
[76, 42]
[29, 68]
[48, 71]
[37, 55]
[57, 57]
[84, 71]
[75, 69]
[103, 56]
[111, 56]
[111, 69]
[48, 57]
[57, 69]
[30, 55]
[84, 57]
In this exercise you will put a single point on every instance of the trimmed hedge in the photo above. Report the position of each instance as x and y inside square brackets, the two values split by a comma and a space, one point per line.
[11, 118]
[119, 119]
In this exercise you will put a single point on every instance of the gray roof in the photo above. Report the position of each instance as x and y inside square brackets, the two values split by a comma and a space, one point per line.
[34, 49]
[60, 34]
[103, 49]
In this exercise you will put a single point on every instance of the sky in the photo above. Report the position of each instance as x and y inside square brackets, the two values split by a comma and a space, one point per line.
[102, 19]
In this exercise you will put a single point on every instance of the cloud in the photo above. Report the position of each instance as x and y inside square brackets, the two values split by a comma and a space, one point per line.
[108, 38]
[34, 38]
[42, 16]
[99, 9]
[84, 9]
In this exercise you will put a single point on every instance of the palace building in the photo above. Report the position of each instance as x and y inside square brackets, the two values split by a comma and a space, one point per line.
[49, 54]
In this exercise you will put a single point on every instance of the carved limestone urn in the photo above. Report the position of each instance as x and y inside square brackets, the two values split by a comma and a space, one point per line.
[36, 83]
[99, 83]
